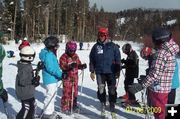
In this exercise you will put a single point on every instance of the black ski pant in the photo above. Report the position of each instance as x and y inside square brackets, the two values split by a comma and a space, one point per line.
[102, 80]
[129, 81]
[171, 96]
[27, 110]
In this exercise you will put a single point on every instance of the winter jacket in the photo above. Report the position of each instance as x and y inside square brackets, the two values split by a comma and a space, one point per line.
[162, 68]
[65, 61]
[175, 80]
[132, 65]
[2, 55]
[23, 44]
[104, 57]
[24, 87]
[51, 73]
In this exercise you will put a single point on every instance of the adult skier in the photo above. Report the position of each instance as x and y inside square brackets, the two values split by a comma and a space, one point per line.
[105, 66]
[161, 71]
[70, 63]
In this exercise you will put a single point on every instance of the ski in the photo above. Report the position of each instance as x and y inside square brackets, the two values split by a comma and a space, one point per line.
[54, 116]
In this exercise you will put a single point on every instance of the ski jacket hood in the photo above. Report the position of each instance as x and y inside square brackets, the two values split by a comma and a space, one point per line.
[51, 72]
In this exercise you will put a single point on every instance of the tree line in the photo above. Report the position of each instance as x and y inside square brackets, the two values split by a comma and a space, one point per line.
[37, 19]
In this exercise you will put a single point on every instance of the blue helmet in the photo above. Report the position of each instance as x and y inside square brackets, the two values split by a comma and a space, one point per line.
[160, 35]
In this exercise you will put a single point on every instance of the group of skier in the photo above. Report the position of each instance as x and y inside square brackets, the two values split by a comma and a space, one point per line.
[105, 66]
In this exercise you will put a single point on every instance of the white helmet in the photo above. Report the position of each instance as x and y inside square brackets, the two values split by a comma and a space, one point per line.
[27, 54]
[25, 38]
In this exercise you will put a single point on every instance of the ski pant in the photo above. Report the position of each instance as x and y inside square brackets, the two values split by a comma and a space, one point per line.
[172, 96]
[102, 79]
[50, 91]
[129, 81]
[27, 110]
[69, 86]
[159, 100]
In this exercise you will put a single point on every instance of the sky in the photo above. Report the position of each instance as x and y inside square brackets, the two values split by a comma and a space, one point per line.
[119, 5]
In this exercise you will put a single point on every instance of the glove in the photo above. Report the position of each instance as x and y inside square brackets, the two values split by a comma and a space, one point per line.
[72, 66]
[93, 75]
[117, 74]
[141, 78]
[35, 81]
[64, 75]
[123, 61]
[135, 87]
[4, 96]
[82, 66]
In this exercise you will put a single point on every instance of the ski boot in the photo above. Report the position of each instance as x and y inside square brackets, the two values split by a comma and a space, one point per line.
[76, 109]
[103, 115]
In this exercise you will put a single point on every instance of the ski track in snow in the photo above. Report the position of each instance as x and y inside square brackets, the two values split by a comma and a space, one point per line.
[87, 100]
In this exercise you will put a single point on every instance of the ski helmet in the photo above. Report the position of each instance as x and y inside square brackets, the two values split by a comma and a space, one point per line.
[103, 32]
[146, 52]
[71, 47]
[51, 42]
[160, 35]
[126, 48]
[27, 53]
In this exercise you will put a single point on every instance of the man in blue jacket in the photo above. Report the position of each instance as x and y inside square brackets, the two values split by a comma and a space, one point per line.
[105, 65]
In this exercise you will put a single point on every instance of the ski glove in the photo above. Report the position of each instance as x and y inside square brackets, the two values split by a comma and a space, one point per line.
[141, 78]
[93, 75]
[135, 87]
[36, 80]
[123, 61]
[4, 96]
[72, 66]
[117, 74]
[64, 75]
[82, 66]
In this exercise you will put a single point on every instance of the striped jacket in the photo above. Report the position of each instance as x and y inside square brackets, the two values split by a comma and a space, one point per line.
[162, 68]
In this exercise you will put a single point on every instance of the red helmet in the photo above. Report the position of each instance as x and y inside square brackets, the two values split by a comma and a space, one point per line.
[146, 52]
[103, 31]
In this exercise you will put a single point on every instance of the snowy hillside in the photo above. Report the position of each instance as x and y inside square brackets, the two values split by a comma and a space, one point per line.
[87, 100]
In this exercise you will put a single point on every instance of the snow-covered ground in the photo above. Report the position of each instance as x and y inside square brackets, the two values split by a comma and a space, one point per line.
[87, 99]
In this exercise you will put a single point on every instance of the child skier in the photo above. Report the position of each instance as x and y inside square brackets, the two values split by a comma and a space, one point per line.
[3, 92]
[26, 83]
[70, 63]
[131, 64]
[24, 43]
[51, 74]
[161, 71]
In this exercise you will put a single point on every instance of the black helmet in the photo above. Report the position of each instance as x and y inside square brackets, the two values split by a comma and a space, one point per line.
[51, 42]
[126, 48]
[160, 35]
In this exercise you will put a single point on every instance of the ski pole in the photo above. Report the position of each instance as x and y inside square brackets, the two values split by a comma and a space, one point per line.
[123, 73]
[82, 82]
[72, 97]
[42, 112]
[117, 82]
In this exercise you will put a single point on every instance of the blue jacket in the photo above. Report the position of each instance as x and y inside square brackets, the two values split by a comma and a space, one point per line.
[104, 57]
[52, 72]
[175, 80]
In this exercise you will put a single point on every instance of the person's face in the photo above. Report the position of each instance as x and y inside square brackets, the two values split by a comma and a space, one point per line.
[102, 37]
